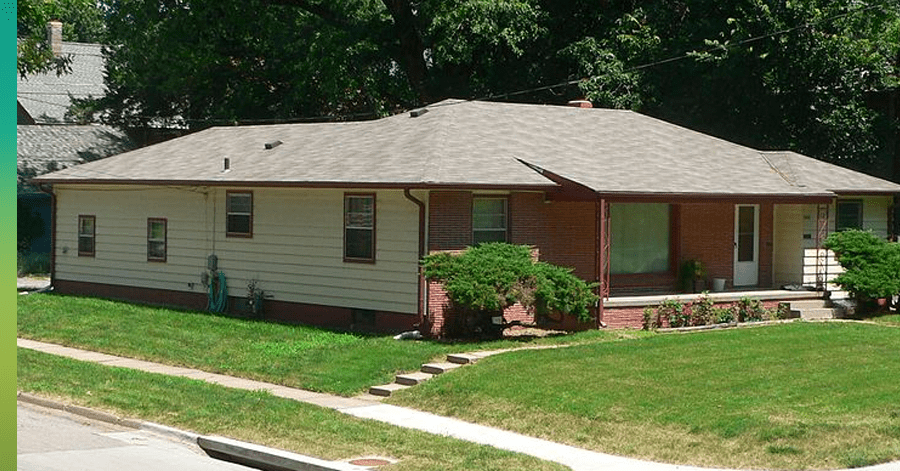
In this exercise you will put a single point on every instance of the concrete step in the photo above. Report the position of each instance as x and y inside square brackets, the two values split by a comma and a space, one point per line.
[809, 304]
[412, 379]
[462, 358]
[386, 390]
[819, 313]
[439, 368]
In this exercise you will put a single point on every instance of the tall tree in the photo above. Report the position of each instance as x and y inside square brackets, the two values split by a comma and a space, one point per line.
[815, 76]
[82, 20]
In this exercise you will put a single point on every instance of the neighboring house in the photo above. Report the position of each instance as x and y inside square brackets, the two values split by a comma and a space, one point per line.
[46, 139]
[330, 220]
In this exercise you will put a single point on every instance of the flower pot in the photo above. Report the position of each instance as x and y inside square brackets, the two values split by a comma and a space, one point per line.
[718, 284]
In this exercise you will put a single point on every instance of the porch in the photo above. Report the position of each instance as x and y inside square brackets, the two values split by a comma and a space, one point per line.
[628, 311]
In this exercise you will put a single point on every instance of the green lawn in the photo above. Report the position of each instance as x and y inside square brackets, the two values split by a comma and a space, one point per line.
[253, 416]
[887, 319]
[298, 356]
[795, 396]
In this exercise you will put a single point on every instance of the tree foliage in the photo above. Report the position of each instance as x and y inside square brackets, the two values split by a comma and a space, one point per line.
[815, 76]
[82, 21]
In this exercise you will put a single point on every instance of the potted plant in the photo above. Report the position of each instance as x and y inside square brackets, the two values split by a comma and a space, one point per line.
[693, 276]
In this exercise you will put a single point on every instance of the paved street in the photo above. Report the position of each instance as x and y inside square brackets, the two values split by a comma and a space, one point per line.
[51, 440]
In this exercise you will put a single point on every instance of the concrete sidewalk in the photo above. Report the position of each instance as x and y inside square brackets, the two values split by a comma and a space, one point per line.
[370, 408]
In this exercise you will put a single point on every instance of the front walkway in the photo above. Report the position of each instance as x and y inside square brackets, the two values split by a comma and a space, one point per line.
[368, 408]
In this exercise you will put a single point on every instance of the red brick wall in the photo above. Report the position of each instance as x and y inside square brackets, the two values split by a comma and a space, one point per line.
[707, 234]
[449, 220]
[564, 232]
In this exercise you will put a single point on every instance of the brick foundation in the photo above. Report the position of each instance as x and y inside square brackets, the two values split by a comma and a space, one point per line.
[278, 311]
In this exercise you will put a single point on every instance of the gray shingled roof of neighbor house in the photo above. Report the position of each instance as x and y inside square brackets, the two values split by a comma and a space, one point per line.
[481, 144]
[46, 96]
[41, 148]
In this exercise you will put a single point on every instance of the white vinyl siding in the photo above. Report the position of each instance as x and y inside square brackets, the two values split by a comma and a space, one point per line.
[295, 254]
[874, 217]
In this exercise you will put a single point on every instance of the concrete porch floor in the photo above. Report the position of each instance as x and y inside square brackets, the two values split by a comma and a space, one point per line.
[719, 297]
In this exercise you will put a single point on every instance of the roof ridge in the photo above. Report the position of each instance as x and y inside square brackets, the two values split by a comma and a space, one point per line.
[787, 174]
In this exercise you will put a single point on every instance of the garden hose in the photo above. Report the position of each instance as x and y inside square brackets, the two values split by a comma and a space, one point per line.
[217, 300]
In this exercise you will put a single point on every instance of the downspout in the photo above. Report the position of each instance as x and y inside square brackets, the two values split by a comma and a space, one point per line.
[49, 190]
[420, 281]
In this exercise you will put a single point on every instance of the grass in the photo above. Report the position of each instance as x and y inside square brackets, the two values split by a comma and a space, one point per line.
[253, 416]
[795, 396]
[292, 355]
[886, 318]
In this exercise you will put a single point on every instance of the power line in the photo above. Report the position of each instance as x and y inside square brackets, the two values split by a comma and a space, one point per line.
[568, 83]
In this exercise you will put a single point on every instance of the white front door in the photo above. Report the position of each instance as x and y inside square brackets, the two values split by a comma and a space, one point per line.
[746, 245]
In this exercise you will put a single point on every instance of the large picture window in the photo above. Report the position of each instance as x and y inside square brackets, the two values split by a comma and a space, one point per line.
[639, 235]
[359, 227]
[489, 218]
[239, 214]
[156, 240]
[87, 235]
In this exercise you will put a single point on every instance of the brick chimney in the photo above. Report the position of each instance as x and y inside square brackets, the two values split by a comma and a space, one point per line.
[54, 37]
[580, 104]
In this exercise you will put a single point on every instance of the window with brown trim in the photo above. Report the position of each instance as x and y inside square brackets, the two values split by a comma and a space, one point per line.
[156, 240]
[489, 219]
[359, 227]
[849, 215]
[87, 236]
[239, 214]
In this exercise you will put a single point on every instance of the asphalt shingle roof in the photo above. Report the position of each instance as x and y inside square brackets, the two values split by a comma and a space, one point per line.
[46, 96]
[41, 148]
[481, 144]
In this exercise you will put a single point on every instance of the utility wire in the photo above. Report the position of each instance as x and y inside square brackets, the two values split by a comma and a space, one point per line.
[568, 83]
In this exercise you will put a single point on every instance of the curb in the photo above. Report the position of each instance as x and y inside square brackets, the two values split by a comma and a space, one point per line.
[226, 449]
[268, 459]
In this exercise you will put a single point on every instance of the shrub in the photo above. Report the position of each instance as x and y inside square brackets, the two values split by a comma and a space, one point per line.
[871, 265]
[702, 310]
[675, 312]
[32, 263]
[485, 279]
[723, 315]
[750, 310]
[651, 318]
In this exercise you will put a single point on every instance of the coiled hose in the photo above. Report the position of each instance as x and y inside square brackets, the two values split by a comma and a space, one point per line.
[217, 300]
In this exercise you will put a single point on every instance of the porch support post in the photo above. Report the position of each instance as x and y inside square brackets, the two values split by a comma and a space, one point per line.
[821, 255]
[602, 261]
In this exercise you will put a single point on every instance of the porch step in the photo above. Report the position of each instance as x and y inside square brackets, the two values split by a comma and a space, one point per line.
[439, 368]
[386, 390]
[462, 358]
[412, 379]
[809, 304]
[819, 313]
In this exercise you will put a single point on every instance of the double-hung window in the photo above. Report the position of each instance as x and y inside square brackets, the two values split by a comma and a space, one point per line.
[239, 214]
[359, 227]
[87, 236]
[156, 240]
[849, 215]
[489, 219]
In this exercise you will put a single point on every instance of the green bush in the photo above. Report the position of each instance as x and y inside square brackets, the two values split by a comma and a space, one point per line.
[485, 279]
[675, 312]
[723, 315]
[702, 310]
[32, 263]
[871, 265]
[750, 310]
